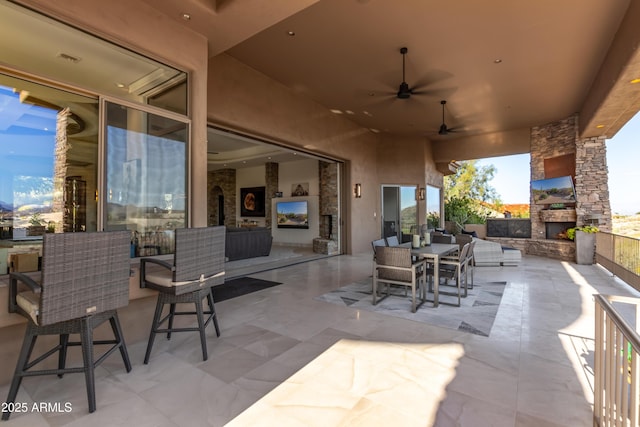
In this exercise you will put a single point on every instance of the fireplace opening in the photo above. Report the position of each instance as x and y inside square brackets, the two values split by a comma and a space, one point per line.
[326, 226]
[558, 230]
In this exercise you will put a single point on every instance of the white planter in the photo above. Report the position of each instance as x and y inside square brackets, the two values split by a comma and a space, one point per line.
[585, 247]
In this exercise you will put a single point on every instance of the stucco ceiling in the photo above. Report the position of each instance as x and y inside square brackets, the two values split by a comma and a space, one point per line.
[501, 65]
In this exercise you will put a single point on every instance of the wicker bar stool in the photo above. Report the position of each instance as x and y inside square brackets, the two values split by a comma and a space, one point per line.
[85, 279]
[198, 265]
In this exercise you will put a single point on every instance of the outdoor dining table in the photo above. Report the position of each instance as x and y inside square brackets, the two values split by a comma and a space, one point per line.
[433, 253]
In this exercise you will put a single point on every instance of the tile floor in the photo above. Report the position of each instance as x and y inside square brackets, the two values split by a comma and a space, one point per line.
[533, 369]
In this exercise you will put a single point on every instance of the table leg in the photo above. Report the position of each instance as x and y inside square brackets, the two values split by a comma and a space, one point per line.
[436, 279]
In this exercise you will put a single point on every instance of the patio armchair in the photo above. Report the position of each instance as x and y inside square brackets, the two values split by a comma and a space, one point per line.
[395, 266]
[198, 264]
[84, 280]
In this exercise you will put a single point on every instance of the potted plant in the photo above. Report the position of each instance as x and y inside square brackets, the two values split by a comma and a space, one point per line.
[585, 238]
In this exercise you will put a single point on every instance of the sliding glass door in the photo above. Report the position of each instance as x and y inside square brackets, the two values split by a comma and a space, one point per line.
[434, 207]
[399, 211]
[146, 176]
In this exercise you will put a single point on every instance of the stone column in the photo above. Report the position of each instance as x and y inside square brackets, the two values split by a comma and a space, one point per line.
[223, 180]
[593, 206]
[271, 186]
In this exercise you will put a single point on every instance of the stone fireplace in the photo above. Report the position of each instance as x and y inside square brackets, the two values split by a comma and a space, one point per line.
[326, 226]
[557, 230]
[327, 243]
[557, 222]
[557, 150]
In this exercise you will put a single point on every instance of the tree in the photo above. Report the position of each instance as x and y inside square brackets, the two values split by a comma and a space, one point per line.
[472, 182]
[467, 194]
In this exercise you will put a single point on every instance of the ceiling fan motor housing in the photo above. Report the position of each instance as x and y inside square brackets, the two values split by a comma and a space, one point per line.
[404, 92]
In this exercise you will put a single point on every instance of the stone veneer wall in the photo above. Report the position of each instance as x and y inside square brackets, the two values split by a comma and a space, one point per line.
[592, 189]
[328, 178]
[591, 183]
[548, 141]
[271, 187]
[221, 180]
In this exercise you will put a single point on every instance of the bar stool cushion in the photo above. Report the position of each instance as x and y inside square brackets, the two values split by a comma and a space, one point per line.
[159, 277]
[29, 301]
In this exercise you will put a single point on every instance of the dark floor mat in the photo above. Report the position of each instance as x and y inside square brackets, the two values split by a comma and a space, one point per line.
[240, 286]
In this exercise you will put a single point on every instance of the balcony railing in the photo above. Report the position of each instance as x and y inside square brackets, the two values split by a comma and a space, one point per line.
[620, 255]
[617, 373]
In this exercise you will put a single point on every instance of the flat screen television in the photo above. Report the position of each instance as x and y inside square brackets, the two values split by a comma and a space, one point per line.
[552, 191]
[292, 214]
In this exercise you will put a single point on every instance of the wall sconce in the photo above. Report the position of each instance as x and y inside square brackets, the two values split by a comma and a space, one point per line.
[420, 193]
[357, 191]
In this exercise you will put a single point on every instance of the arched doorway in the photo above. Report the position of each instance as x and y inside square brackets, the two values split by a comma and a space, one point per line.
[216, 208]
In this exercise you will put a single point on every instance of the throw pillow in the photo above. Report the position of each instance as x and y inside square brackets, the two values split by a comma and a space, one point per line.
[470, 233]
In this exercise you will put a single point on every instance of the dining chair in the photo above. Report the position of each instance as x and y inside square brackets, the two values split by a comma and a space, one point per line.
[377, 243]
[394, 266]
[462, 239]
[441, 238]
[198, 264]
[84, 280]
[471, 264]
[455, 268]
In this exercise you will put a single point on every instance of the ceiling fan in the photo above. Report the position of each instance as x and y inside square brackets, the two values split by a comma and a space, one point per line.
[404, 91]
[444, 130]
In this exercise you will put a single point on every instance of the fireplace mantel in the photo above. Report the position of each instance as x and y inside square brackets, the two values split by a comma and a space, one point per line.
[558, 215]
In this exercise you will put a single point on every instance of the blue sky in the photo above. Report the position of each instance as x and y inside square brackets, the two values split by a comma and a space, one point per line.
[511, 180]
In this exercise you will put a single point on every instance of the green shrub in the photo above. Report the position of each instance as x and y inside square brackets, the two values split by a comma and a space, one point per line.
[463, 211]
[571, 233]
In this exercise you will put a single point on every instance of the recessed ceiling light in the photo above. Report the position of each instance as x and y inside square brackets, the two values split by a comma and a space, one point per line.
[336, 111]
[120, 85]
[269, 158]
[366, 113]
[349, 112]
[635, 81]
[374, 130]
[599, 126]
[291, 33]
[68, 57]
[497, 61]
[295, 154]
[186, 16]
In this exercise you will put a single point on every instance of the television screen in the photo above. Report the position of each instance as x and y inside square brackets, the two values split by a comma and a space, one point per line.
[553, 191]
[292, 214]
